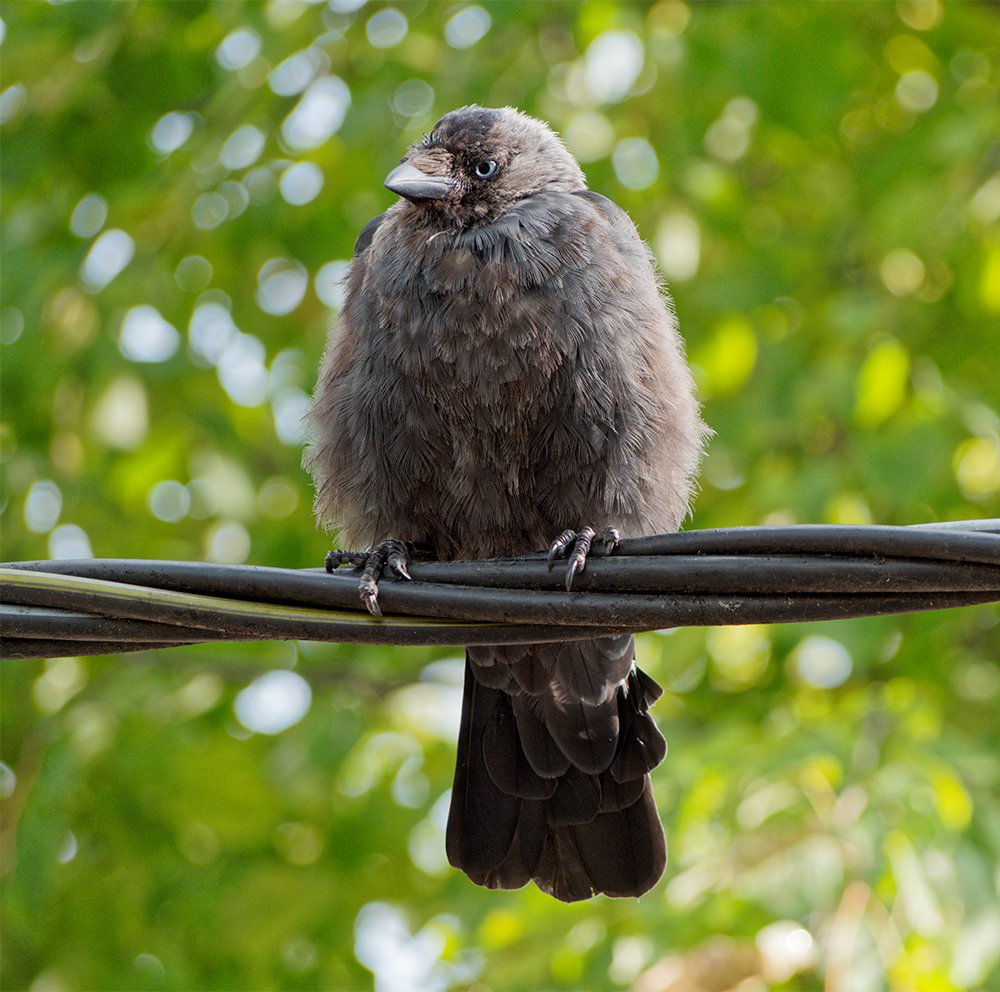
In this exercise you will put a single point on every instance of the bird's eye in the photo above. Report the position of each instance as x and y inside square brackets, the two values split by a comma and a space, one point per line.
[485, 169]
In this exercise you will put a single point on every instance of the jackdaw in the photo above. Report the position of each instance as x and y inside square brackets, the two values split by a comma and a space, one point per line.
[507, 368]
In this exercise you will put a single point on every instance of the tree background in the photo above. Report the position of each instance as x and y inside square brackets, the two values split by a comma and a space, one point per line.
[182, 186]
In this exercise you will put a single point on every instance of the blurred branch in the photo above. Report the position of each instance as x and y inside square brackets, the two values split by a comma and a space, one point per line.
[734, 575]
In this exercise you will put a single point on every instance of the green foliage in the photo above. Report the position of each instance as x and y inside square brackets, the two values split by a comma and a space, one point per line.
[818, 182]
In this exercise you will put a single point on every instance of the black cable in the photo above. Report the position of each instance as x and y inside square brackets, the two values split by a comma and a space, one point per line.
[725, 576]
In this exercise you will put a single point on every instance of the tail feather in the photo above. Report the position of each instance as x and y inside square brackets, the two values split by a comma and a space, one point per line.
[551, 788]
[522, 859]
[482, 820]
[617, 795]
[542, 752]
[585, 733]
[505, 758]
[623, 853]
[641, 746]
[560, 871]
[577, 798]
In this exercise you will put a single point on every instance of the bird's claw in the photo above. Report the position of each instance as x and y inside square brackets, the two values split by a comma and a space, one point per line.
[575, 546]
[390, 553]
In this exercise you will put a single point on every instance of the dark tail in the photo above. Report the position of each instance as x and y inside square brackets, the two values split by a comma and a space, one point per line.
[551, 781]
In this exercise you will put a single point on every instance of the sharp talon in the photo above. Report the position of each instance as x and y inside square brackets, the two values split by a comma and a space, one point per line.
[558, 547]
[579, 545]
[578, 557]
[368, 586]
[397, 559]
[389, 553]
[369, 596]
[611, 537]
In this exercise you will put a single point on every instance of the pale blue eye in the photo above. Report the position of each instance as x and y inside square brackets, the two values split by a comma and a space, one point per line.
[485, 169]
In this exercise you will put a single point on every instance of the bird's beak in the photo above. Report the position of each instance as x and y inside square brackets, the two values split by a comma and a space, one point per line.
[407, 180]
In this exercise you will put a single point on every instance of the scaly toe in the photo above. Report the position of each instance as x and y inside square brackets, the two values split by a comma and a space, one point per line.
[334, 559]
[578, 556]
[558, 547]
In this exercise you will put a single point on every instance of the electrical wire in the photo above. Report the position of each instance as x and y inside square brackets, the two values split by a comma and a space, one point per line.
[709, 577]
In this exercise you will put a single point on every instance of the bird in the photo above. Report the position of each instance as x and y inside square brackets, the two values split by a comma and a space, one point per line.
[506, 375]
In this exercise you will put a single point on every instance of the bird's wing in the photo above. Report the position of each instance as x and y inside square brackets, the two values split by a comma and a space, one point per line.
[366, 235]
[615, 214]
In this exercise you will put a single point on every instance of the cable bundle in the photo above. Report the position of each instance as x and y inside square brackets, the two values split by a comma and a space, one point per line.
[725, 576]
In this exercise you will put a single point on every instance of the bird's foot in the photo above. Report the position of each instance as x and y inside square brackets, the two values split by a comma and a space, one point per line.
[577, 545]
[390, 554]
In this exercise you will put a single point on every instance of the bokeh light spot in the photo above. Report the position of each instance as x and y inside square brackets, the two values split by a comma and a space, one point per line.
[318, 114]
[62, 679]
[301, 183]
[917, 90]
[678, 246]
[273, 702]
[278, 498]
[466, 26]
[69, 849]
[613, 63]
[728, 138]
[985, 202]
[295, 73]
[42, 506]
[298, 843]
[210, 331]
[413, 98]
[289, 406]
[822, 662]
[193, 273]
[146, 337]
[590, 136]
[169, 501]
[8, 781]
[236, 196]
[977, 467]
[786, 949]
[902, 272]
[227, 543]
[243, 147]
[69, 541]
[121, 415]
[387, 28]
[89, 215]
[209, 211]
[11, 324]
[171, 132]
[281, 284]
[238, 49]
[108, 256]
[740, 656]
[12, 101]
[242, 370]
[635, 163]
[882, 383]
[921, 15]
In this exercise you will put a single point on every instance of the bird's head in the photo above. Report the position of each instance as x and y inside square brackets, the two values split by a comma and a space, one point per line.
[477, 161]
